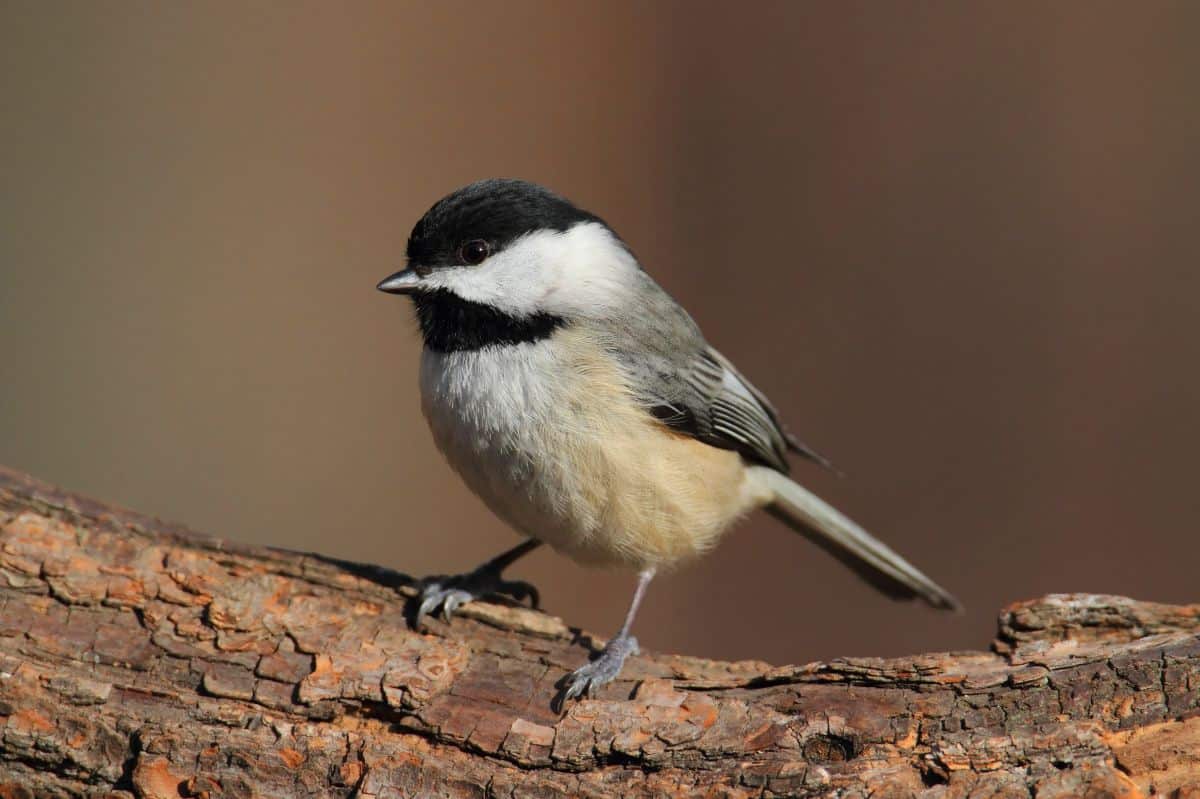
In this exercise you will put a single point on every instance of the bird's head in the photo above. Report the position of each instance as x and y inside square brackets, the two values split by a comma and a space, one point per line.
[512, 250]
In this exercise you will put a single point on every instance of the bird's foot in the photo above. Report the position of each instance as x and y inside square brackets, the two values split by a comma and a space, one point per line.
[451, 593]
[601, 670]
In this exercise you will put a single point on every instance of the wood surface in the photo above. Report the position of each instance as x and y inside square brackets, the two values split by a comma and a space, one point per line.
[140, 659]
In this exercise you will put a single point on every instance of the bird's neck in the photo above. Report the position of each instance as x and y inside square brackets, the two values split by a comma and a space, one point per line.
[451, 324]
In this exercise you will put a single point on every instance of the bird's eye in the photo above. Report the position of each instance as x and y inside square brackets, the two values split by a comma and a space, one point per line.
[474, 252]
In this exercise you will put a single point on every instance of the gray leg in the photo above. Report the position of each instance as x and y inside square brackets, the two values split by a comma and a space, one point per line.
[604, 668]
[450, 593]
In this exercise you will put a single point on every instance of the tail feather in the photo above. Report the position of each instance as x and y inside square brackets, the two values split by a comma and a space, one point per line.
[870, 558]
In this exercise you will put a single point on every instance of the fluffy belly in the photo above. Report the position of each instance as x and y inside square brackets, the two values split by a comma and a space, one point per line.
[549, 438]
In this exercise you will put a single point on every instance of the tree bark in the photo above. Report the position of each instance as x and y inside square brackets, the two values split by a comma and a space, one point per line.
[140, 659]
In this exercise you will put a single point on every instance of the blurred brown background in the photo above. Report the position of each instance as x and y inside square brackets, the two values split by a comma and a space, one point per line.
[956, 243]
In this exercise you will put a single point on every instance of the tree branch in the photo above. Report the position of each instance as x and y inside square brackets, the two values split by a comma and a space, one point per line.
[139, 659]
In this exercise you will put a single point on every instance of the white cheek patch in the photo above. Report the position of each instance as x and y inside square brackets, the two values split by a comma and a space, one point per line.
[578, 272]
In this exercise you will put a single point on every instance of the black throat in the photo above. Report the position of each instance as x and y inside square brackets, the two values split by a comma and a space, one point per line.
[451, 324]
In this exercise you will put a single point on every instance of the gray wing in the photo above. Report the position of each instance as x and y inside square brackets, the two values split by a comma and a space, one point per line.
[719, 409]
[792, 443]
[694, 389]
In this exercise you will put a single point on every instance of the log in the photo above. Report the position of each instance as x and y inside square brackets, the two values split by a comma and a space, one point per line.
[139, 659]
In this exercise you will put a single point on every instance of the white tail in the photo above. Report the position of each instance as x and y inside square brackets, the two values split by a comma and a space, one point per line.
[870, 558]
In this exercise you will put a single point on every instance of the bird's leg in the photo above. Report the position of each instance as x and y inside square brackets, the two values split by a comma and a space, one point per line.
[450, 593]
[607, 665]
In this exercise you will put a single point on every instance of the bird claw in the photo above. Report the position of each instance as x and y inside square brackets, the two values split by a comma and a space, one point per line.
[601, 670]
[451, 593]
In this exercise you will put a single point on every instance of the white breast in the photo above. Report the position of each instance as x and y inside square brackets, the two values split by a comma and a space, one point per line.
[488, 410]
[547, 435]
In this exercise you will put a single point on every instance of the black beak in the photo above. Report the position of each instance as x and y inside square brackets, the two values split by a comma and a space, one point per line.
[403, 282]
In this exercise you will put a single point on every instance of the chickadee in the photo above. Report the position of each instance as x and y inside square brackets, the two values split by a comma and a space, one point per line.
[583, 405]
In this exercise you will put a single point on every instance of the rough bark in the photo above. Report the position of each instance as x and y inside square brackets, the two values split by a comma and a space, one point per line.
[137, 658]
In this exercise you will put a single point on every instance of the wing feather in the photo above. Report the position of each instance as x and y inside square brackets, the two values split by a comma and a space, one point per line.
[692, 388]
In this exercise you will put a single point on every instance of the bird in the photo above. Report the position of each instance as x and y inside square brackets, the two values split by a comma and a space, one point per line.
[586, 409]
